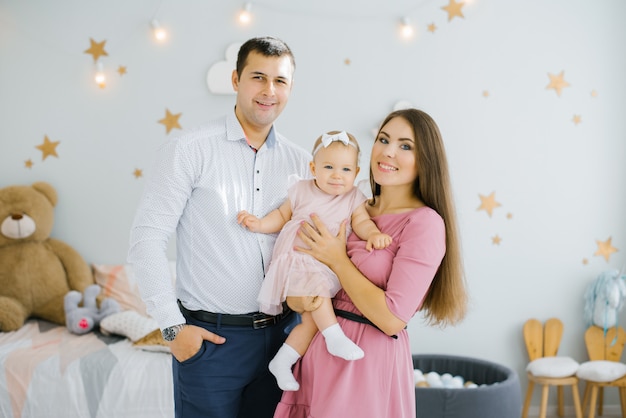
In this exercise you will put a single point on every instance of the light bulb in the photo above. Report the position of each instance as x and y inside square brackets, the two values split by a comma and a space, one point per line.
[244, 15]
[100, 78]
[159, 33]
[406, 30]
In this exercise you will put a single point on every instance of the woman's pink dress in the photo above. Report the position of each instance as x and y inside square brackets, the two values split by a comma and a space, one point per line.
[296, 274]
[380, 385]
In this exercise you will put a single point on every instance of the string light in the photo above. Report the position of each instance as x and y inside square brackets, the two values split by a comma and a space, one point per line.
[406, 29]
[244, 15]
[100, 77]
[159, 33]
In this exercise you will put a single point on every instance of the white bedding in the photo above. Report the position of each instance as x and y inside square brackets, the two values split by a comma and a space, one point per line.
[49, 372]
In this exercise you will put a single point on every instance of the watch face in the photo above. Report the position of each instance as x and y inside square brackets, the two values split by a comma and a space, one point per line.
[169, 334]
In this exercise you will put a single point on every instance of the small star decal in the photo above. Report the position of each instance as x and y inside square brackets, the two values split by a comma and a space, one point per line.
[454, 9]
[576, 119]
[137, 173]
[594, 93]
[557, 82]
[28, 163]
[347, 61]
[509, 215]
[48, 148]
[485, 94]
[605, 249]
[170, 121]
[488, 203]
[496, 240]
[96, 49]
[585, 261]
[432, 28]
[121, 70]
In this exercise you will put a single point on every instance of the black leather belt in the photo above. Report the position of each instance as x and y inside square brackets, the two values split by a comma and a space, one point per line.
[256, 320]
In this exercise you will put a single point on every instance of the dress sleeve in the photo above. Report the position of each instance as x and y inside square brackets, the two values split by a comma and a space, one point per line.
[357, 199]
[422, 245]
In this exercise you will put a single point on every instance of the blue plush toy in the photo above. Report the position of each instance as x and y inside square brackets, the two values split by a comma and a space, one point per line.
[82, 319]
[604, 298]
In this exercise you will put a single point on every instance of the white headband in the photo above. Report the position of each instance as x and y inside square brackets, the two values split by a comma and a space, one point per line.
[328, 139]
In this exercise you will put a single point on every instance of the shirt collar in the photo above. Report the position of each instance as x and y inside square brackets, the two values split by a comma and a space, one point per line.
[234, 131]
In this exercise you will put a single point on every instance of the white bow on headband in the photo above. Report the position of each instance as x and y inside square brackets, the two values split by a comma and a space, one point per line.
[340, 137]
[328, 139]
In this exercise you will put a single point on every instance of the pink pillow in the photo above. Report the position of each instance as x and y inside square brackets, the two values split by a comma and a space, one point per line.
[118, 282]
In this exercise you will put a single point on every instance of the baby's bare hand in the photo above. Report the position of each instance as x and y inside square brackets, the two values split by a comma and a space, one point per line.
[241, 216]
[378, 241]
[248, 220]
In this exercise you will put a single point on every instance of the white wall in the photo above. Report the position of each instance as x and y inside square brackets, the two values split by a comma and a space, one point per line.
[563, 183]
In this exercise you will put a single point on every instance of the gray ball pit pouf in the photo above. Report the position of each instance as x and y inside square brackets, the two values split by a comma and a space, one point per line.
[499, 397]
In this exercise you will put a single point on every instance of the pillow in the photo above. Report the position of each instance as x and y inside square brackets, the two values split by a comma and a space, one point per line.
[153, 342]
[130, 324]
[118, 282]
[601, 371]
[141, 330]
[553, 367]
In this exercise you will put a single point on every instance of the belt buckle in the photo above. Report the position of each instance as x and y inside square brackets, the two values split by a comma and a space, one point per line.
[261, 320]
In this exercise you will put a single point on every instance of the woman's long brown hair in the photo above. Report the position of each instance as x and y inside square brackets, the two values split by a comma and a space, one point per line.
[446, 301]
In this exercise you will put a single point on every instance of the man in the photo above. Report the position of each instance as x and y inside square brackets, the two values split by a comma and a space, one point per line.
[220, 343]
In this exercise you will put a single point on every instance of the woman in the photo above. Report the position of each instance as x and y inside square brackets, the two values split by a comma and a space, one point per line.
[420, 270]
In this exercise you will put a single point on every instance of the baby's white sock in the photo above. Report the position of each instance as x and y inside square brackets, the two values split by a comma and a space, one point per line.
[339, 345]
[280, 367]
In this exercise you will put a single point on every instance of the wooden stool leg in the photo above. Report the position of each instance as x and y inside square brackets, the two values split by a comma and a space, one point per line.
[544, 401]
[592, 402]
[586, 397]
[600, 400]
[559, 397]
[576, 398]
[529, 395]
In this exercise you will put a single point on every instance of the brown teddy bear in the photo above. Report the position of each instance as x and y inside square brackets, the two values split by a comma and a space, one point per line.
[36, 271]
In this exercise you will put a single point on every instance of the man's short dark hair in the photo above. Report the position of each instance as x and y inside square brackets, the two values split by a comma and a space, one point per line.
[267, 46]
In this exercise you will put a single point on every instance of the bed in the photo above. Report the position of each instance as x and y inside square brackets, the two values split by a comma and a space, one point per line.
[49, 372]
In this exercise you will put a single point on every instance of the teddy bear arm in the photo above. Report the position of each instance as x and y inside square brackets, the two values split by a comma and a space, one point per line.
[79, 275]
[12, 314]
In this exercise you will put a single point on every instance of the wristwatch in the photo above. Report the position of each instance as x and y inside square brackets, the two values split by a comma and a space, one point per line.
[170, 333]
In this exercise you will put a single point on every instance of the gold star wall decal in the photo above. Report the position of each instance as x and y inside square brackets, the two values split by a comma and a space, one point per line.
[509, 215]
[432, 28]
[485, 94]
[488, 203]
[454, 9]
[577, 119]
[594, 93]
[605, 249]
[137, 173]
[170, 121]
[121, 70]
[557, 82]
[48, 148]
[496, 240]
[347, 61]
[96, 49]
[28, 163]
[585, 261]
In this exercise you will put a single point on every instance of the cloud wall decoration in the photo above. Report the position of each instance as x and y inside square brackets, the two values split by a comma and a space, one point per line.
[218, 77]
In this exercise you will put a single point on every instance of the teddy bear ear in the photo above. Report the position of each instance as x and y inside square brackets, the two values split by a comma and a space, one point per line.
[47, 190]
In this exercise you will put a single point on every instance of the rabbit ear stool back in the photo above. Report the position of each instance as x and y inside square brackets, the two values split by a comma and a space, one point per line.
[546, 368]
